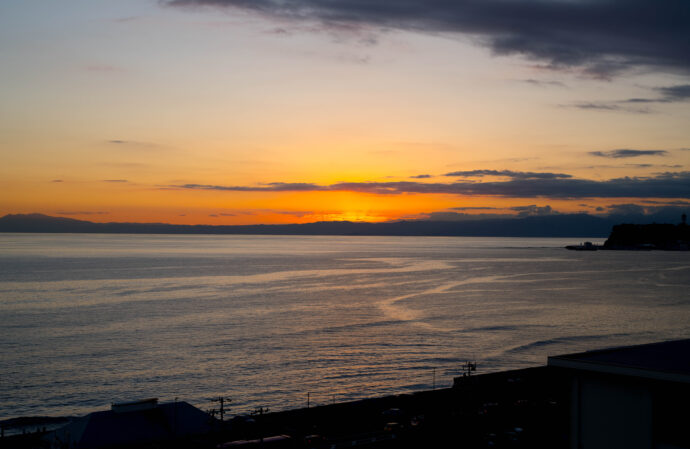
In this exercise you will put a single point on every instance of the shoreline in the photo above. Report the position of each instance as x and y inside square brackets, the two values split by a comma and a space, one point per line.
[487, 403]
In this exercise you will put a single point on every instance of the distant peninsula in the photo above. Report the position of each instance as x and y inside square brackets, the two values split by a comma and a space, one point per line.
[643, 237]
[555, 225]
[659, 236]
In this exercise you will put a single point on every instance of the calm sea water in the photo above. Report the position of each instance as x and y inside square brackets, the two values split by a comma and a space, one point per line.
[91, 319]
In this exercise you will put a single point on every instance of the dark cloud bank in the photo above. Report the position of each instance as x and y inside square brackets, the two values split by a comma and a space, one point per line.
[519, 185]
[603, 37]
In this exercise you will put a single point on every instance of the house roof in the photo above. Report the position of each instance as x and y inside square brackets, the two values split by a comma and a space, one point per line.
[112, 428]
[668, 361]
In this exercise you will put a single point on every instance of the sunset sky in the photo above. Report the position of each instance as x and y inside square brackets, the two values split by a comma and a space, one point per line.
[267, 111]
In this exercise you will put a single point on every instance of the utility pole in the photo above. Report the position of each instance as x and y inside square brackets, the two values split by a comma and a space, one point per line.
[221, 400]
[260, 411]
[433, 385]
[468, 368]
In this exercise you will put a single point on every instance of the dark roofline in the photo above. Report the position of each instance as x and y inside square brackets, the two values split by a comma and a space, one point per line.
[664, 361]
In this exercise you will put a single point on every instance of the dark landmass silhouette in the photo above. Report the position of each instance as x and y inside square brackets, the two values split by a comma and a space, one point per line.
[650, 236]
[556, 225]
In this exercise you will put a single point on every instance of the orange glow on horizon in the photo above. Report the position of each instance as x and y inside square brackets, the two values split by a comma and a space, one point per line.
[119, 202]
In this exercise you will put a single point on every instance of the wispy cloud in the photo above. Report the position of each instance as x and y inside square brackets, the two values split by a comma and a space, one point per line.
[293, 213]
[533, 210]
[669, 94]
[133, 144]
[659, 212]
[667, 203]
[640, 105]
[615, 106]
[508, 174]
[476, 208]
[601, 37]
[237, 213]
[458, 216]
[269, 187]
[625, 209]
[676, 93]
[81, 212]
[126, 19]
[626, 153]
[543, 83]
[115, 180]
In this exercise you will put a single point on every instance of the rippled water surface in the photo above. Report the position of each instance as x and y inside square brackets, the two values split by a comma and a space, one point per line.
[91, 319]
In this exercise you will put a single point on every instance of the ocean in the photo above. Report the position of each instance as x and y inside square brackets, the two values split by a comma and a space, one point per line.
[268, 321]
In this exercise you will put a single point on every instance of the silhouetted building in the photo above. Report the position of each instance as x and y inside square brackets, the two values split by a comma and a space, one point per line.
[133, 424]
[629, 397]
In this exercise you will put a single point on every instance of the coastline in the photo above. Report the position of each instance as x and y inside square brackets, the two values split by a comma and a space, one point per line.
[482, 406]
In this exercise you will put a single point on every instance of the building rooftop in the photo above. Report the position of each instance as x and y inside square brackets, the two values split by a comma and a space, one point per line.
[668, 361]
[129, 424]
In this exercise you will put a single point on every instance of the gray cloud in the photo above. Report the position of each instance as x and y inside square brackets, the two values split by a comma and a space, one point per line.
[659, 212]
[667, 203]
[115, 180]
[126, 19]
[131, 144]
[542, 83]
[57, 180]
[476, 208]
[270, 187]
[295, 213]
[81, 212]
[507, 173]
[455, 216]
[603, 37]
[625, 209]
[533, 210]
[676, 93]
[596, 106]
[625, 153]
[655, 165]
[598, 166]
[663, 185]
[616, 106]
[420, 176]
[669, 94]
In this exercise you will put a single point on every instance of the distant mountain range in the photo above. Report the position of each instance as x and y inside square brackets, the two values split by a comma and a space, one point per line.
[556, 225]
